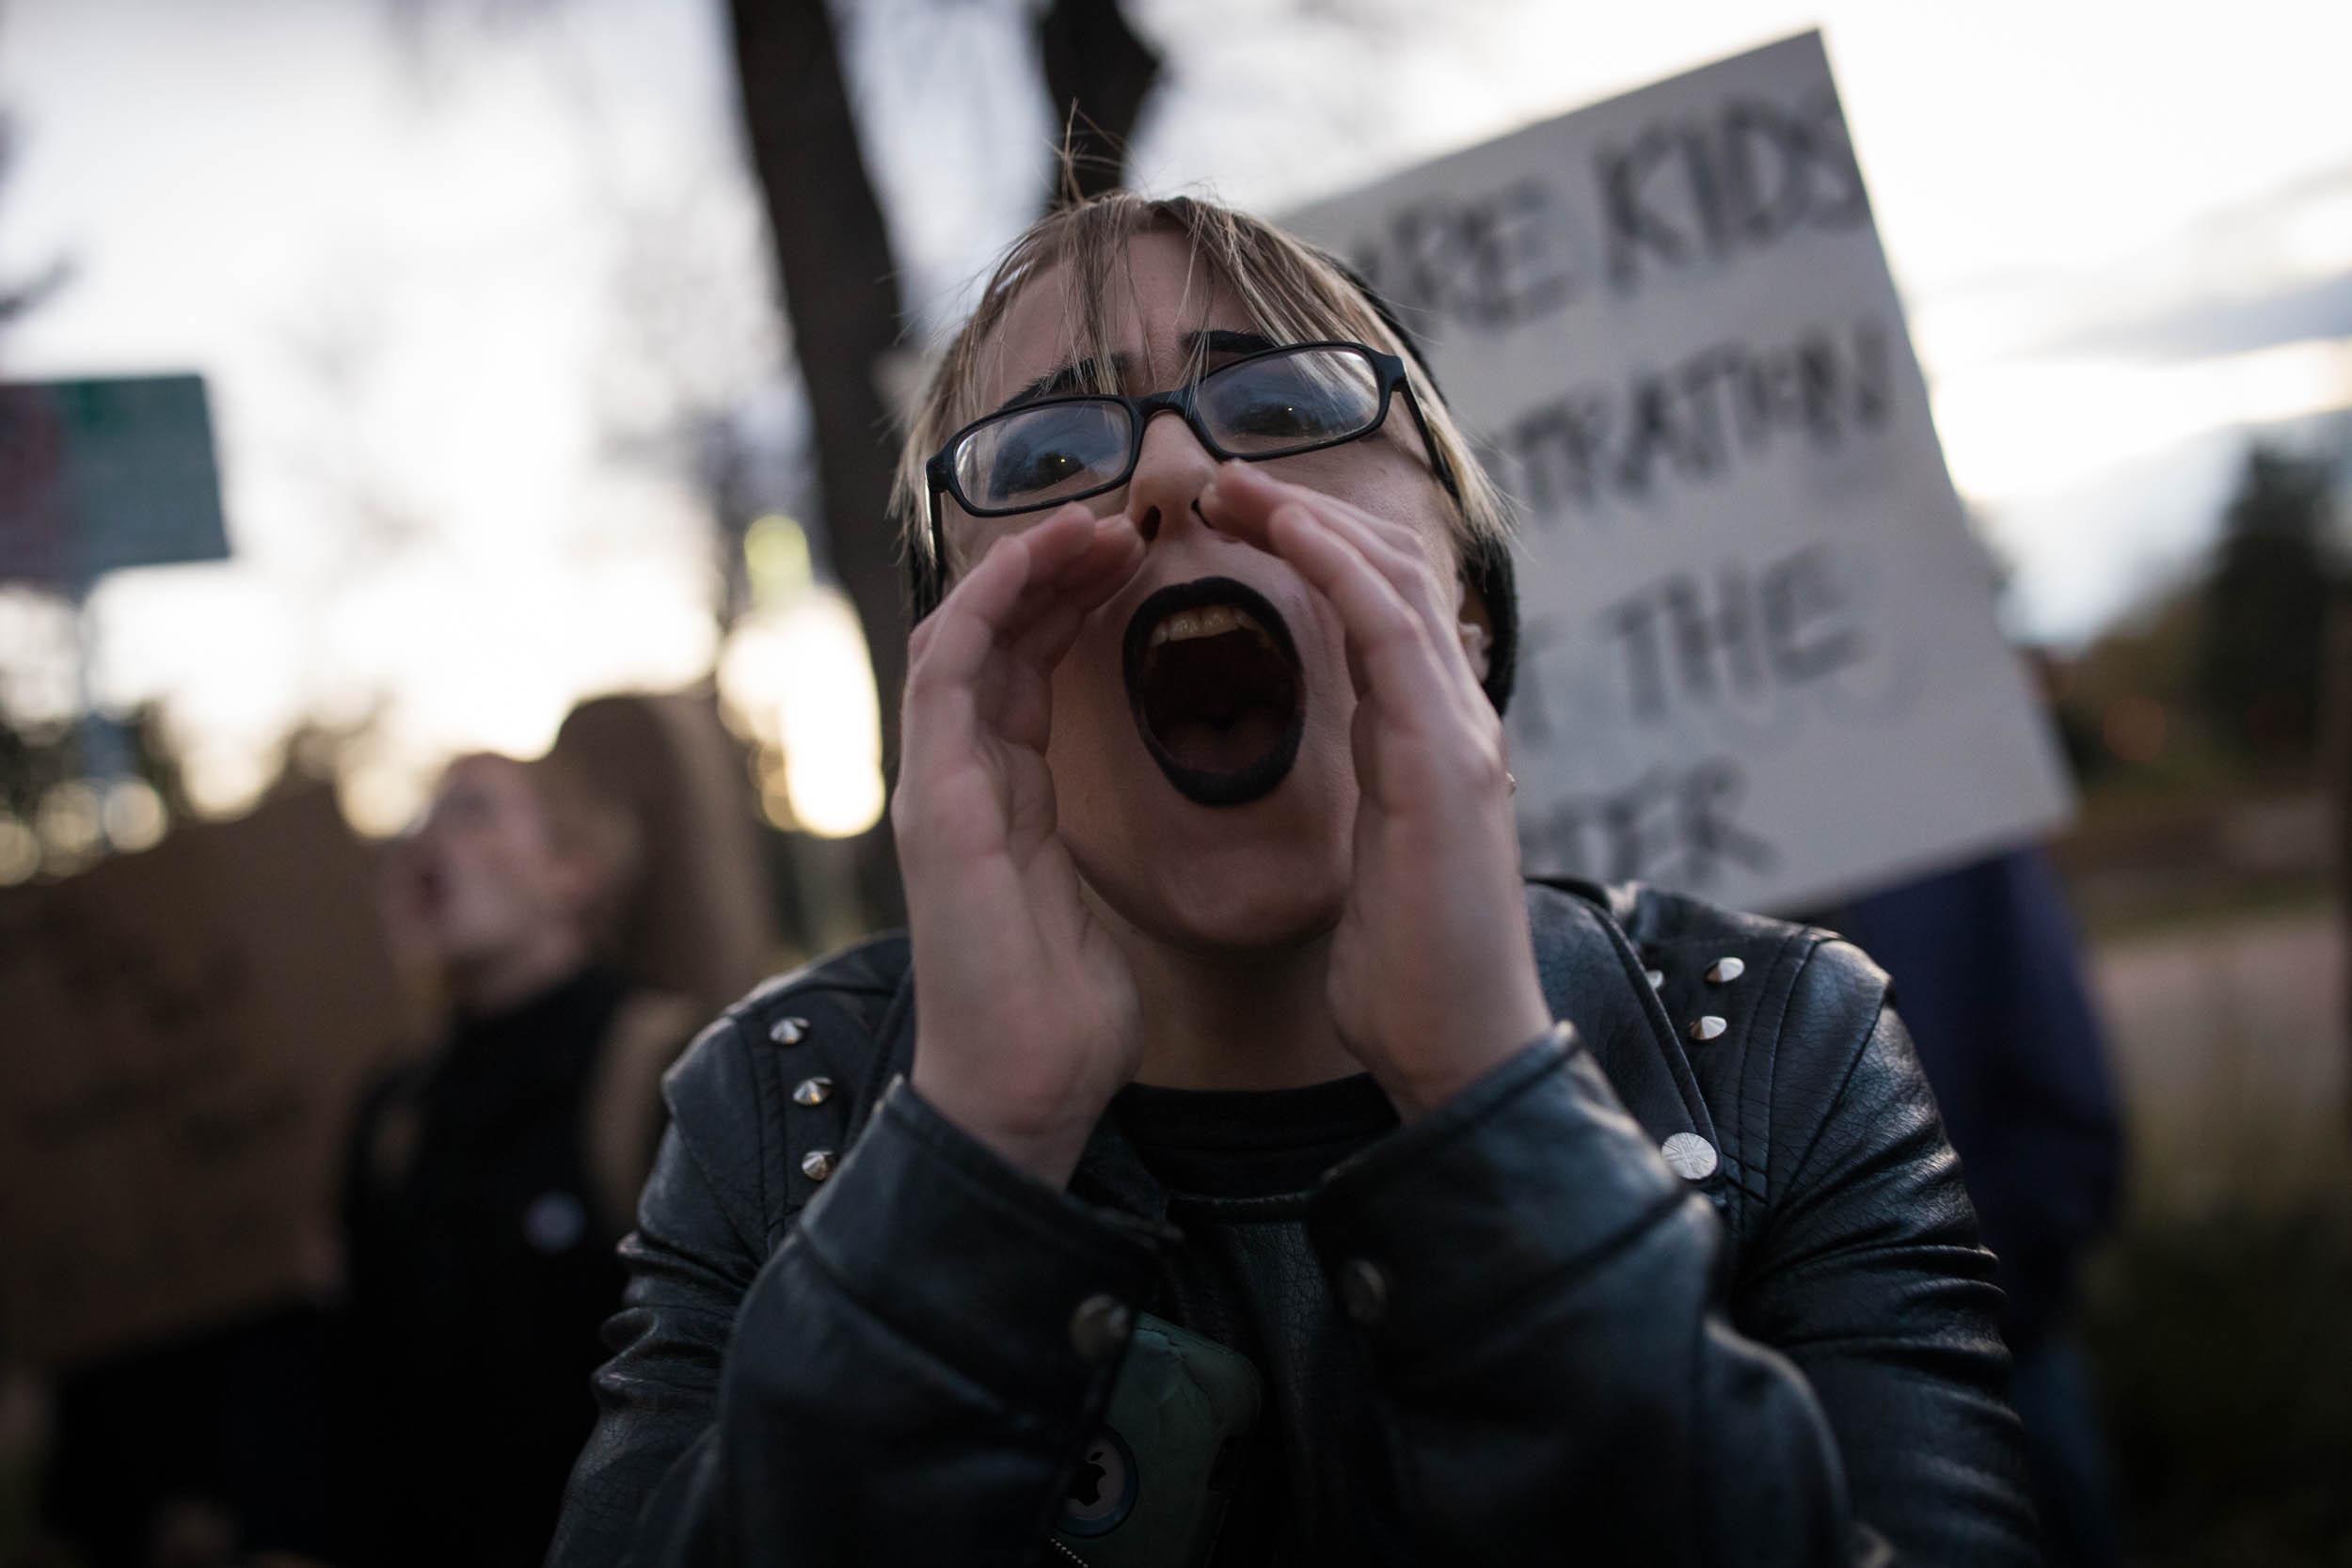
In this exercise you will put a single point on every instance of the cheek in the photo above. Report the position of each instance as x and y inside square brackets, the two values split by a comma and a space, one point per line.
[1092, 724]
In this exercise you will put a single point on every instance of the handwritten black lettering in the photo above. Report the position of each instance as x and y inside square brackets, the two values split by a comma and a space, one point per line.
[1711, 187]
[1490, 261]
[1694, 422]
[1671, 825]
[1691, 639]
[1635, 227]
[1810, 628]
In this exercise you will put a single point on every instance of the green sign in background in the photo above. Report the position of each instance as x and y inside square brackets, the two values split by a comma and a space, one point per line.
[98, 475]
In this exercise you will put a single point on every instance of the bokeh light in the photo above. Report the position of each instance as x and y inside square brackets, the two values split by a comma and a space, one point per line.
[132, 814]
[795, 678]
[19, 852]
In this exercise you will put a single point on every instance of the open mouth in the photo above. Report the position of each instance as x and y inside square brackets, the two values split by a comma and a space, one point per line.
[1213, 678]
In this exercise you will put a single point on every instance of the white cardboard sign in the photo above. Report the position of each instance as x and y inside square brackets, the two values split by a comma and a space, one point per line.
[1758, 656]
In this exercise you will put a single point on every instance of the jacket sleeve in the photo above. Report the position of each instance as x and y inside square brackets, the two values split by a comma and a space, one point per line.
[919, 1360]
[1568, 1375]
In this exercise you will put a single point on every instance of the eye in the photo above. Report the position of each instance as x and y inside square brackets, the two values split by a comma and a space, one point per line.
[1028, 470]
[1031, 455]
[1290, 400]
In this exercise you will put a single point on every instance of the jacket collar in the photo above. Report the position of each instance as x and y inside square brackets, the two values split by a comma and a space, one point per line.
[1593, 977]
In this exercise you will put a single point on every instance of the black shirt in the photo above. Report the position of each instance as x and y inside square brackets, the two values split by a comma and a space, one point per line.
[1238, 1166]
[1250, 1144]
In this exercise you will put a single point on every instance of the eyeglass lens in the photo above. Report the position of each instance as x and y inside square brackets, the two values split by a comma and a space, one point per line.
[1260, 407]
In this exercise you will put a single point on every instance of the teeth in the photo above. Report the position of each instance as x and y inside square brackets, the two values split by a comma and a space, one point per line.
[1214, 620]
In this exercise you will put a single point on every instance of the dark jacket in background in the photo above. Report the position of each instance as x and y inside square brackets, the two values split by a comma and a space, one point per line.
[481, 1266]
[1556, 1349]
[1990, 975]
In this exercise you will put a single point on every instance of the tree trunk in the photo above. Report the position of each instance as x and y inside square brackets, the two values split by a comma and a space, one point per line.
[1098, 74]
[841, 298]
[841, 293]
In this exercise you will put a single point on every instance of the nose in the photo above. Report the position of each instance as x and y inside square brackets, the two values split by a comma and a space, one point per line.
[1171, 469]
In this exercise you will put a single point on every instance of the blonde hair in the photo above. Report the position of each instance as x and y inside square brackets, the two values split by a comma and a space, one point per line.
[1292, 293]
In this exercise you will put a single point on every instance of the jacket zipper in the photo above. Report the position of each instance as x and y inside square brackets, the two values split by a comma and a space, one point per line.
[1056, 1541]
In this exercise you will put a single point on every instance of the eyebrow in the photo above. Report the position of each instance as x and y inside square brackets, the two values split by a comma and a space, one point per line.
[1072, 377]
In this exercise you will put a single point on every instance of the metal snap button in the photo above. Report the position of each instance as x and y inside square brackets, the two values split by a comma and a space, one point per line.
[1689, 1156]
[554, 1222]
[1099, 1328]
[1364, 1291]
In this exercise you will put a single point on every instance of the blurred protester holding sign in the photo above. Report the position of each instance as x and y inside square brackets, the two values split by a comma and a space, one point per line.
[487, 1186]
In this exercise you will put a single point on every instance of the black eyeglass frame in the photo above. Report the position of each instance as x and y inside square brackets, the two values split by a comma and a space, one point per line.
[940, 471]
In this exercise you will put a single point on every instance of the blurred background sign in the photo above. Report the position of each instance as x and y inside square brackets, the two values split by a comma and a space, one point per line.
[1759, 659]
[185, 1031]
[101, 474]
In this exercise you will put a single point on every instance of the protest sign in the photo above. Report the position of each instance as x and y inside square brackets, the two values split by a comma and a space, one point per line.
[102, 474]
[1758, 660]
[183, 1032]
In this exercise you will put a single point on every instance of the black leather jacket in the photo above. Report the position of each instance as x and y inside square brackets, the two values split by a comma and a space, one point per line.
[1784, 1355]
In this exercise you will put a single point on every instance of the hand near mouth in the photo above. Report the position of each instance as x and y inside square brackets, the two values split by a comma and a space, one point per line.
[1028, 1019]
[1433, 970]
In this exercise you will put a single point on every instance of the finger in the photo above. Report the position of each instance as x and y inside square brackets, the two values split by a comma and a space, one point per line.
[1085, 587]
[994, 602]
[1000, 682]
[1109, 558]
[1389, 642]
[1253, 485]
[1248, 499]
[956, 676]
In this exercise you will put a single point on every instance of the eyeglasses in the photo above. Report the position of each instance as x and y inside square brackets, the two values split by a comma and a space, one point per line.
[1277, 402]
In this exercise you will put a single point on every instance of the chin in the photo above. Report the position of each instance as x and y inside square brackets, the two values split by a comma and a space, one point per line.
[1248, 913]
[1224, 888]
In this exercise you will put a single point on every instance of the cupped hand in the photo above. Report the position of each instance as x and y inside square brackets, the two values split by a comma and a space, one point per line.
[1433, 970]
[1027, 1021]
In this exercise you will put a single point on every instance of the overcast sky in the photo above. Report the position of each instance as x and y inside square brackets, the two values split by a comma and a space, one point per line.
[445, 278]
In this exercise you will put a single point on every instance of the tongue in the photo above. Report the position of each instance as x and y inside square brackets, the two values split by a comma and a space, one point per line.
[1229, 748]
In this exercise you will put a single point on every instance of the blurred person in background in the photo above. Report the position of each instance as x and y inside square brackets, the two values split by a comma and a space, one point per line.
[1236, 1161]
[487, 1186]
[1989, 972]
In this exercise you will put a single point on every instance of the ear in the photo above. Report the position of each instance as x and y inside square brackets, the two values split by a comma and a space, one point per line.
[1473, 625]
